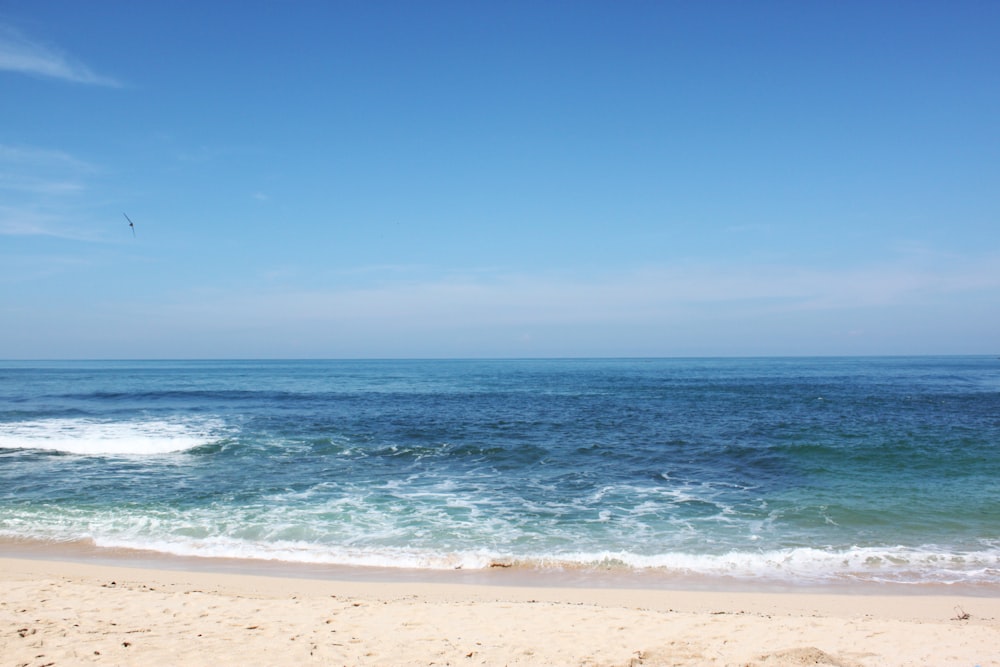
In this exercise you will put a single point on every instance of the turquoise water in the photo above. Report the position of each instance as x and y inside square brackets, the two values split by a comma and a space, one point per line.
[797, 470]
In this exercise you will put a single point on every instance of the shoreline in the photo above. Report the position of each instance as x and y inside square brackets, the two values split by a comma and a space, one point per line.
[59, 610]
[502, 575]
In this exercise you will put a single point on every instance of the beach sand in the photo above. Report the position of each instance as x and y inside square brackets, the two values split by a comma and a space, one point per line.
[76, 613]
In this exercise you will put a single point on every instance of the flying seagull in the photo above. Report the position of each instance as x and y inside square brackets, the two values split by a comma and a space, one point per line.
[130, 223]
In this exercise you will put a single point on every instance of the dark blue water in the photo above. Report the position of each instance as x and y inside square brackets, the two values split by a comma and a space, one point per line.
[874, 469]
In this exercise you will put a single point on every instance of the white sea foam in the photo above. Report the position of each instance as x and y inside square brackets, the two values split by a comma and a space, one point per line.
[291, 551]
[905, 565]
[268, 533]
[897, 564]
[99, 437]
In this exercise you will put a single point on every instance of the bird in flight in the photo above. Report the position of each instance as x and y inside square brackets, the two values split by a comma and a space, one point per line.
[130, 224]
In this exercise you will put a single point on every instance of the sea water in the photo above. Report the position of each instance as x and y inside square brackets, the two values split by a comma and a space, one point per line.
[781, 469]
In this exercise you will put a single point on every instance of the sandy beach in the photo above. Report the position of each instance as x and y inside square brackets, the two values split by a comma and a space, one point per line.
[66, 613]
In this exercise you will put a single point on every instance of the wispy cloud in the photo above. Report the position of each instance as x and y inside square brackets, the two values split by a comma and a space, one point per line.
[40, 171]
[28, 221]
[690, 304]
[22, 222]
[36, 185]
[40, 157]
[20, 54]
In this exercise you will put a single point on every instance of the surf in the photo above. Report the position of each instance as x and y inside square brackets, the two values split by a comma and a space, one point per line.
[102, 437]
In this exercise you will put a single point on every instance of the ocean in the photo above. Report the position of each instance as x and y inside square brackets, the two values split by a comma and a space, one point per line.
[795, 471]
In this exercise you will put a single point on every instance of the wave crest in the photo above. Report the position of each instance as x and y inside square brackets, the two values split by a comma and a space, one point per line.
[90, 437]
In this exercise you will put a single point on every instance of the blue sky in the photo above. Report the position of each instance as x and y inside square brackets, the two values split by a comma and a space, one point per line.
[498, 179]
